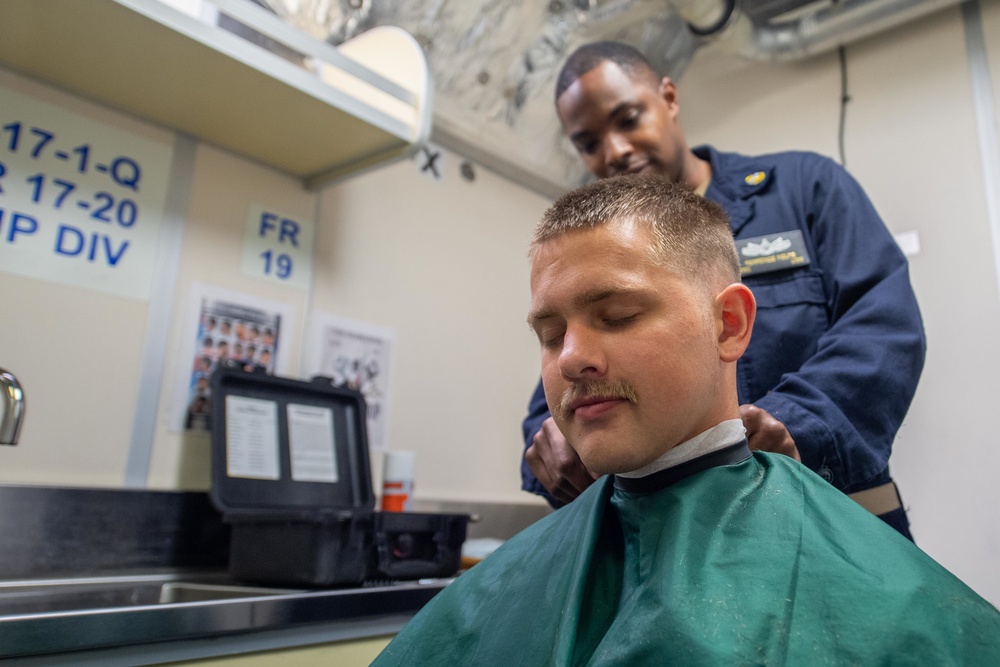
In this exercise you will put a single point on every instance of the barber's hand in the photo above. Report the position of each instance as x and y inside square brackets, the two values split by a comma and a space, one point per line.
[556, 465]
[767, 434]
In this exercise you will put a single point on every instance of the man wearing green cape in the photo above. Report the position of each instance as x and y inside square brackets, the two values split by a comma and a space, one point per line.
[690, 550]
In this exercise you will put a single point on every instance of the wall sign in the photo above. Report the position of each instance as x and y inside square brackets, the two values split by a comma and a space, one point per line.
[80, 201]
[357, 355]
[278, 248]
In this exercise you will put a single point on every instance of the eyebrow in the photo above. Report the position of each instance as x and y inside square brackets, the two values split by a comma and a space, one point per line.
[583, 300]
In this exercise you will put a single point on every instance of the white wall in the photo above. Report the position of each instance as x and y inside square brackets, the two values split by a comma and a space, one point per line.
[445, 265]
[911, 141]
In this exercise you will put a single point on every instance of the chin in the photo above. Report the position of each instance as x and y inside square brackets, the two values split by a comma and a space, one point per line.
[653, 168]
[610, 464]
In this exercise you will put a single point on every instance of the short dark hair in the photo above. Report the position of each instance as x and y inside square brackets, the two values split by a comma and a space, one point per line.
[690, 233]
[589, 56]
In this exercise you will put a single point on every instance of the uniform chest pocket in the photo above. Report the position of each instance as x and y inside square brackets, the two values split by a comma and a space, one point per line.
[791, 317]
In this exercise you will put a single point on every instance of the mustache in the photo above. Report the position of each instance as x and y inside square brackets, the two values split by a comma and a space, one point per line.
[595, 389]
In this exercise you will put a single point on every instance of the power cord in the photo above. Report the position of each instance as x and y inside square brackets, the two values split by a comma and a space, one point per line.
[844, 99]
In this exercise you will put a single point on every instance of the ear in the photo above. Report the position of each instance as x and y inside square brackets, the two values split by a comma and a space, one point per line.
[668, 92]
[735, 309]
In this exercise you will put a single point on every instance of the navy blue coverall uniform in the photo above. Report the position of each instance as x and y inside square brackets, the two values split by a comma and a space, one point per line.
[838, 343]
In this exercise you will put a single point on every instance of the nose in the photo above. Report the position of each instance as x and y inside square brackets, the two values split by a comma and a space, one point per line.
[582, 355]
[617, 153]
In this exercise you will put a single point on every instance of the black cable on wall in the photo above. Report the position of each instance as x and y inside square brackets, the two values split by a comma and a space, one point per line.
[844, 99]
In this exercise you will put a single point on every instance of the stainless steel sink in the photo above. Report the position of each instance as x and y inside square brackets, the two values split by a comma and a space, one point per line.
[94, 593]
[63, 616]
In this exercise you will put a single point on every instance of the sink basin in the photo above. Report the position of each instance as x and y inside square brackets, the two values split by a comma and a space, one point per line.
[61, 595]
[64, 616]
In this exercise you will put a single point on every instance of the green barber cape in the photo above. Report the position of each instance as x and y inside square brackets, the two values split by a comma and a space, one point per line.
[758, 562]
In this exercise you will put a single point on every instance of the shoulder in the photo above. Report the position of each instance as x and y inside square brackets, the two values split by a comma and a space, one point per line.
[792, 160]
[805, 165]
[776, 174]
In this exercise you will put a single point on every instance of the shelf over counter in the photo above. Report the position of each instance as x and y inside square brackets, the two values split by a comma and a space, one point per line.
[300, 105]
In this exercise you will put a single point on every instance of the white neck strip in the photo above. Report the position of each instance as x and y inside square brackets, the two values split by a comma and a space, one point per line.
[719, 436]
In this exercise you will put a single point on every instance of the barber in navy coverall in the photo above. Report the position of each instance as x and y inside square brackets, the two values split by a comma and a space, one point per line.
[838, 344]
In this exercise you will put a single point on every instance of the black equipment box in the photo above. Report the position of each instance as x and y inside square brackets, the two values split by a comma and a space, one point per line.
[292, 477]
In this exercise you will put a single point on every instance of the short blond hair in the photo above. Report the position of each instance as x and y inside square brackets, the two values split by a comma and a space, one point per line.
[690, 233]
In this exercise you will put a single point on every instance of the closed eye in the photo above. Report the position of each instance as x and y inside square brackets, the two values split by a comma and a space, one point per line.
[550, 336]
[617, 322]
[550, 342]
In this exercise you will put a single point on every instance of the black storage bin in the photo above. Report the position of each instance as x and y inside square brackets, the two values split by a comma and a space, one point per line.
[323, 550]
[301, 509]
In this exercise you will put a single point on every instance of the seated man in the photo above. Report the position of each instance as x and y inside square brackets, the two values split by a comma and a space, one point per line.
[690, 549]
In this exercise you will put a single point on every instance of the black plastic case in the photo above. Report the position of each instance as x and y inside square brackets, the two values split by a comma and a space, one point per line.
[308, 532]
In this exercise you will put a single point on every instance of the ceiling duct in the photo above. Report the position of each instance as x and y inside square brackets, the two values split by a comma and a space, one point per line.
[495, 62]
[761, 31]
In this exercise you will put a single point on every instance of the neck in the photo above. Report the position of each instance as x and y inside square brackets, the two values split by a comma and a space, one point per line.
[697, 172]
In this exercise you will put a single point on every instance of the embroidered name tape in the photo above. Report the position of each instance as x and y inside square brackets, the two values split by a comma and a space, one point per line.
[773, 252]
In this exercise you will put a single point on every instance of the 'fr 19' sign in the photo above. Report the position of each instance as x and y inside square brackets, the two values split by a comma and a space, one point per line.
[80, 201]
[278, 247]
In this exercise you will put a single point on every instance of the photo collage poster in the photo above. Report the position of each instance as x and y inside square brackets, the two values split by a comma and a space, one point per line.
[230, 330]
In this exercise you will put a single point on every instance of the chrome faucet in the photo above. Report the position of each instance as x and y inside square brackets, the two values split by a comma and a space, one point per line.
[11, 408]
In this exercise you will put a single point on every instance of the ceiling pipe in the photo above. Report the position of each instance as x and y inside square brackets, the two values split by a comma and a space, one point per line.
[706, 18]
[822, 29]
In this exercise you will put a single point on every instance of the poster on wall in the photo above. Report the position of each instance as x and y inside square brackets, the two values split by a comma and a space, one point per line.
[227, 328]
[356, 355]
[81, 201]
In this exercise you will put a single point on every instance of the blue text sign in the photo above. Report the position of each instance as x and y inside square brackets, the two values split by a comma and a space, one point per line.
[80, 201]
[278, 247]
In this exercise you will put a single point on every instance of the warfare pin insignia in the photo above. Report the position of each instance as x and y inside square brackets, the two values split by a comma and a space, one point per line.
[763, 254]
